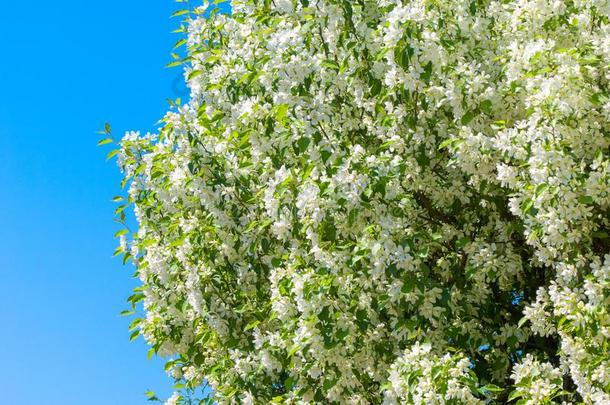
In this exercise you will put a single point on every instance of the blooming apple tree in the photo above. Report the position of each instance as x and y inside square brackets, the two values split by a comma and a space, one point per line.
[381, 201]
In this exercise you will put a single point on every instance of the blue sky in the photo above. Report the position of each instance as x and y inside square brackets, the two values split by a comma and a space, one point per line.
[66, 67]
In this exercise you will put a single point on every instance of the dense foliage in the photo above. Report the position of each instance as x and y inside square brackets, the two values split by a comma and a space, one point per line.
[381, 201]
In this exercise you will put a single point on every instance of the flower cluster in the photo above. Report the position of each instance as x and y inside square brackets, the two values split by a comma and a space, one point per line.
[420, 377]
[382, 200]
[536, 383]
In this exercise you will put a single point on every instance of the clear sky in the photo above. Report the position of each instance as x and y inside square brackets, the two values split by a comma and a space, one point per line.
[66, 67]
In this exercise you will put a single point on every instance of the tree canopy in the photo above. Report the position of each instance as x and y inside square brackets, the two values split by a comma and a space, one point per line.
[381, 201]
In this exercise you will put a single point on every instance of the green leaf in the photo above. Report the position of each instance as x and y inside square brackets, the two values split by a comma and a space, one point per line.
[542, 187]
[436, 236]
[174, 64]
[151, 396]
[112, 153]
[251, 226]
[492, 388]
[453, 142]
[562, 321]
[342, 334]
[467, 118]
[105, 141]
[514, 395]
[329, 383]
[423, 253]
[303, 143]
[446, 143]
[597, 98]
[307, 172]
[281, 111]
[585, 199]
[194, 74]
[178, 13]
[526, 206]
[402, 55]
[330, 64]
[252, 325]
[427, 73]
[134, 335]
[486, 106]
[179, 43]
[375, 87]
[293, 350]
[461, 242]
[288, 383]
[121, 232]
[265, 224]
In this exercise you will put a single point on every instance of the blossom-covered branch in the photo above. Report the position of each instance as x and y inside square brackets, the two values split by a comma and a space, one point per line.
[382, 201]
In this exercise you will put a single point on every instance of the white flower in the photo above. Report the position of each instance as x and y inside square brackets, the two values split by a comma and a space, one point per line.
[174, 399]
